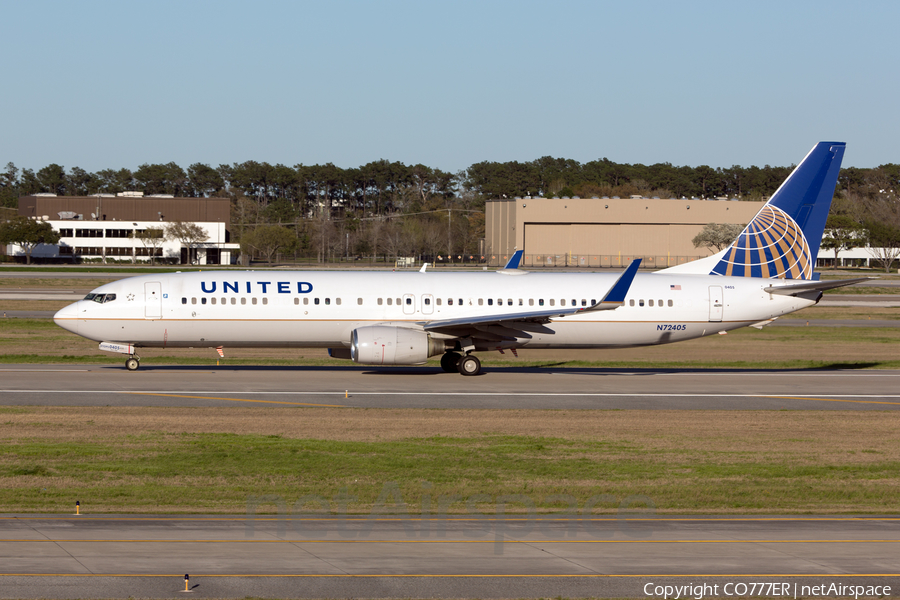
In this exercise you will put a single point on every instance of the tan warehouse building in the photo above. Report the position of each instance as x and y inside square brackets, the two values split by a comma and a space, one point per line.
[604, 232]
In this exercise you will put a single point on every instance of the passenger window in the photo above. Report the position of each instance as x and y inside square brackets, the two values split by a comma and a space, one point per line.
[408, 301]
[193, 301]
[499, 301]
[490, 301]
[480, 302]
[583, 302]
[202, 300]
[552, 302]
[224, 300]
[631, 302]
[650, 302]
[265, 300]
[562, 302]
[641, 302]
[427, 301]
[243, 301]
[390, 301]
[660, 303]
[305, 301]
[520, 302]
[233, 300]
[359, 301]
[398, 301]
[379, 302]
[316, 301]
[509, 302]
[327, 301]
[449, 301]
[212, 300]
[184, 300]
[338, 301]
[593, 302]
[531, 302]
[461, 302]
[253, 300]
[670, 303]
[438, 300]
[540, 302]
[296, 301]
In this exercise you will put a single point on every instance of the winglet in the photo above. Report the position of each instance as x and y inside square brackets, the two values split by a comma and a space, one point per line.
[514, 260]
[616, 295]
[424, 266]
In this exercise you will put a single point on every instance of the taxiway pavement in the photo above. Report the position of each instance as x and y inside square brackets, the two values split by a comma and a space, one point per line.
[429, 387]
[290, 555]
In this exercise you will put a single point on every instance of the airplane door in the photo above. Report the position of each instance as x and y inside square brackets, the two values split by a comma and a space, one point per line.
[153, 300]
[427, 304]
[715, 303]
[409, 304]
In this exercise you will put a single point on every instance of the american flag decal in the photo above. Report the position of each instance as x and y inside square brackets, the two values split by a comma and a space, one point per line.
[675, 287]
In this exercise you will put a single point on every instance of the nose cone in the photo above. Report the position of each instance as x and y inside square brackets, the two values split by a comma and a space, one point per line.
[67, 318]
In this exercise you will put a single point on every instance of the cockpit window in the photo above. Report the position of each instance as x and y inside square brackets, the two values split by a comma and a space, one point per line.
[101, 298]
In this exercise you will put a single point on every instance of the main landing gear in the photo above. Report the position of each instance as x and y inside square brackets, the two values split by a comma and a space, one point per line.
[454, 362]
[133, 362]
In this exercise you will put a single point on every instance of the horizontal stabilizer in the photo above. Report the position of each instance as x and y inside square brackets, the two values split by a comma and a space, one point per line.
[794, 289]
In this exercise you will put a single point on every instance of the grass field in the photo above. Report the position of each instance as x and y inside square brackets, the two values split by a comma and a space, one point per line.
[204, 460]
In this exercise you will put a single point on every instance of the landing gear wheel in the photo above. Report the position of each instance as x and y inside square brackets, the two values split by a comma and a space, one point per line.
[449, 362]
[469, 365]
[132, 364]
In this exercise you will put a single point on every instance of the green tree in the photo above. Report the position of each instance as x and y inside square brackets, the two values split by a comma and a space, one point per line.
[269, 240]
[717, 236]
[28, 234]
[842, 232]
[884, 242]
[189, 234]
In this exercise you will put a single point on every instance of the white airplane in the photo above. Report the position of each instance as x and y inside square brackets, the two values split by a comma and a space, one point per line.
[403, 318]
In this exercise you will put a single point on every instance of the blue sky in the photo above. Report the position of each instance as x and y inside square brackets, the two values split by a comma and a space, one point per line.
[447, 84]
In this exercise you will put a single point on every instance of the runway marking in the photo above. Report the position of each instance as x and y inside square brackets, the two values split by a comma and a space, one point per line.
[362, 519]
[234, 399]
[836, 399]
[505, 541]
[461, 575]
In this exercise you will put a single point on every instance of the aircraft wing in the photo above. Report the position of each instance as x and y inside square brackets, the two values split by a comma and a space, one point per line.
[507, 326]
[794, 289]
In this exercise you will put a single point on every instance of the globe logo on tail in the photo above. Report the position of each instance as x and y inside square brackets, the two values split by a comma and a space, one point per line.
[771, 246]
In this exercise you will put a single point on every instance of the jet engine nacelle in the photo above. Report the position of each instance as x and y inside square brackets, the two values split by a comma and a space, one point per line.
[385, 345]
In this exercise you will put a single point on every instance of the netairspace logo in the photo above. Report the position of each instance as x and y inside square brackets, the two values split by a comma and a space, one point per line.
[770, 589]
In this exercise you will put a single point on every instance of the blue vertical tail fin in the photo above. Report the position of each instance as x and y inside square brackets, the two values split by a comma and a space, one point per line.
[782, 241]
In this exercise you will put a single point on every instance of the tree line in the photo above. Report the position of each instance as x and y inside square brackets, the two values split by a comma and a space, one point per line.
[387, 207]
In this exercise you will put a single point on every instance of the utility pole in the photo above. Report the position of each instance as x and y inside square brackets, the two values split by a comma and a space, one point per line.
[449, 224]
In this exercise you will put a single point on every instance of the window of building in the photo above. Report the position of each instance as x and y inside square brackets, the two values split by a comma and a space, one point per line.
[66, 232]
